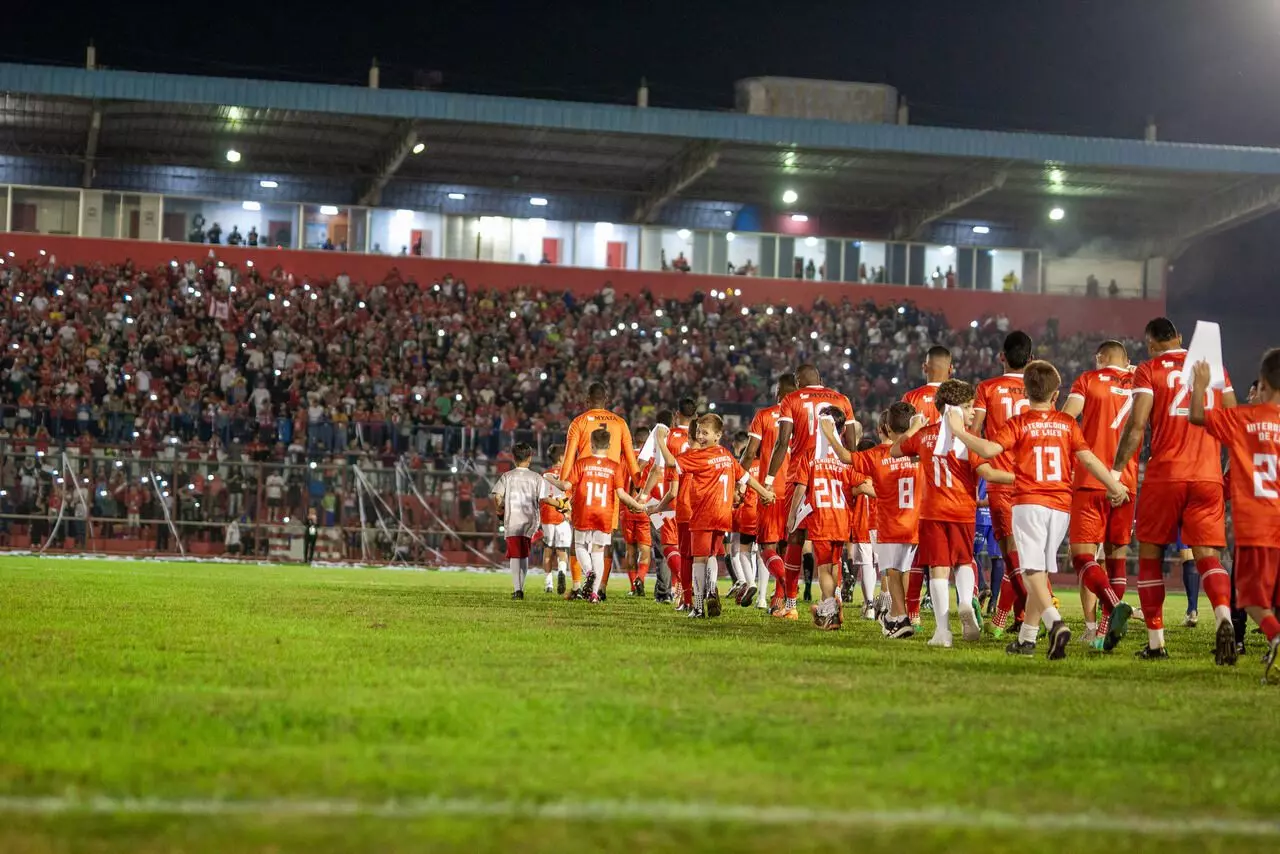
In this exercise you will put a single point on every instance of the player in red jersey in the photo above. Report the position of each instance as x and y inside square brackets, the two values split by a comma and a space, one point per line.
[772, 533]
[746, 524]
[797, 436]
[710, 482]
[997, 401]
[947, 512]
[557, 535]
[1251, 434]
[1044, 445]
[937, 370]
[673, 431]
[860, 558]
[596, 485]
[637, 530]
[1182, 488]
[825, 503]
[1101, 399]
[898, 483]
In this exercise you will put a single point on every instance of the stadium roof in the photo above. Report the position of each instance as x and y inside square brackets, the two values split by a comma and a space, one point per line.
[895, 179]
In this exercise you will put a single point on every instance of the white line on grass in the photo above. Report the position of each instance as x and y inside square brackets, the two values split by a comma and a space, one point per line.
[655, 812]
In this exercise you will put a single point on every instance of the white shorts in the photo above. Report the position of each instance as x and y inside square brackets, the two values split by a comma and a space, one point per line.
[864, 554]
[899, 556]
[557, 536]
[592, 538]
[1039, 532]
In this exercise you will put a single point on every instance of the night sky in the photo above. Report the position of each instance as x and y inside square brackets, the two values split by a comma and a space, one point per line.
[1207, 70]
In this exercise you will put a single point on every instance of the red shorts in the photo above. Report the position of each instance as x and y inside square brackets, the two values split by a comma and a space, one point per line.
[706, 544]
[1001, 502]
[1197, 507]
[1257, 571]
[945, 543]
[636, 530]
[517, 547]
[746, 519]
[772, 527]
[1094, 520]
[827, 552]
[669, 534]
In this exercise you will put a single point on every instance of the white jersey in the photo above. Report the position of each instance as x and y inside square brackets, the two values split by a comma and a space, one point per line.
[521, 491]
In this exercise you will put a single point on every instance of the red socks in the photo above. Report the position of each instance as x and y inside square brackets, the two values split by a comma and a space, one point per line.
[1270, 627]
[1118, 571]
[1095, 581]
[793, 583]
[642, 572]
[795, 555]
[773, 563]
[1151, 591]
[1214, 581]
[915, 583]
[1013, 595]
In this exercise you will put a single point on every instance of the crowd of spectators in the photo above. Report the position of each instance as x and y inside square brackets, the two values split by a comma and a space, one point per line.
[196, 361]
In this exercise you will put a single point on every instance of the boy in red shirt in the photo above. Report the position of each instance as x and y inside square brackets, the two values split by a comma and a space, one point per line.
[1044, 445]
[595, 485]
[637, 530]
[1251, 434]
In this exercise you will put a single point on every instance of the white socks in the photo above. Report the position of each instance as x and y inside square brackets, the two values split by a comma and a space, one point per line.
[1050, 616]
[762, 582]
[965, 585]
[699, 584]
[867, 575]
[597, 569]
[584, 558]
[1028, 632]
[519, 566]
[1222, 614]
[940, 594]
[1155, 638]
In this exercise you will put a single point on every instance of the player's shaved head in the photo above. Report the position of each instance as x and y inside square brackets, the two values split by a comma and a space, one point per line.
[937, 364]
[938, 353]
[600, 439]
[1041, 381]
[1269, 372]
[597, 395]
[1112, 354]
[522, 452]
[786, 384]
[688, 407]
[955, 393]
[1161, 330]
[665, 417]
[808, 375]
[1017, 350]
[897, 418]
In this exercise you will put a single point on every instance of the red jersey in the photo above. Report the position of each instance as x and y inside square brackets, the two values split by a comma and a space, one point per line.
[898, 482]
[750, 500]
[1044, 446]
[677, 444]
[1251, 434]
[801, 408]
[709, 477]
[1001, 398]
[1107, 395]
[655, 493]
[764, 427]
[595, 482]
[862, 518]
[550, 515]
[830, 482]
[951, 483]
[1179, 451]
[923, 400]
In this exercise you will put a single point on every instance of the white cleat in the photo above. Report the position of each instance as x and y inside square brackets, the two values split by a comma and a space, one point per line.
[972, 625]
[941, 638]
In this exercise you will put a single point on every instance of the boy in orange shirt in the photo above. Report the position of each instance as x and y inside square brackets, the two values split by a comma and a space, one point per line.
[1045, 445]
[595, 485]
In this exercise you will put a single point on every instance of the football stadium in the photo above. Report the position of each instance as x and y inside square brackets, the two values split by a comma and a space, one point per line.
[402, 469]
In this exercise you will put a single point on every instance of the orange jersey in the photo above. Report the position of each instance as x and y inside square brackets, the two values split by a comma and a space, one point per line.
[709, 477]
[1107, 395]
[1044, 446]
[577, 444]
[677, 444]
[923, 400]
[1001, 398]
[1179, 451]
[1251, 434]
[764, 427]
[550, 515]
[951, 483]
[802, 408]
[898, 482]
[830, 482]
[595, 482]
[862, 518]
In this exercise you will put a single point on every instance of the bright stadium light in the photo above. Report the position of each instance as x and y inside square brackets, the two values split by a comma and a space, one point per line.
[457, 197]
[251, 206]
[328, 210]
[948, 250]
[1057, 214]
[789, 197]
[731, 237]
[973, 324]
[683, 234]
[538, 202]
[419, 148]
[1055, 176]
[981, 229]
[268, 185]
[233, 156]
[404, 213]
[811, 242]
[799, 218]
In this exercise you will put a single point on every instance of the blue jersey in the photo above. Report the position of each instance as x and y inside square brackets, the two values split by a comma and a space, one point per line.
[983, 517]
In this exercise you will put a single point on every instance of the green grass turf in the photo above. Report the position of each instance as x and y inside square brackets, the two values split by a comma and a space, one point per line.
[177, 680]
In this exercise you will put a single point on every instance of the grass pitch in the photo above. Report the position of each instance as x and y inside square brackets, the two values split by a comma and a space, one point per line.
[247, 708]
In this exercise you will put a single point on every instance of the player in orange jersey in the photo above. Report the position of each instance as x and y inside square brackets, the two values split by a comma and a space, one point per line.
[557, 535]
[937, 370]
[772, 533]
[596, 484]
[1251, 434]
[675, 433]
[797, 436]
[710, 482]
[1045, 446]
[1101, 399]
[824, 503]
[637, 529]
[997, 401]
[1182, 487]
[947, 512]
[898, 483]
[859, 566]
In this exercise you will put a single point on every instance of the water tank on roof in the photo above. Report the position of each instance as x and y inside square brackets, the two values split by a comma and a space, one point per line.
[869, 103]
